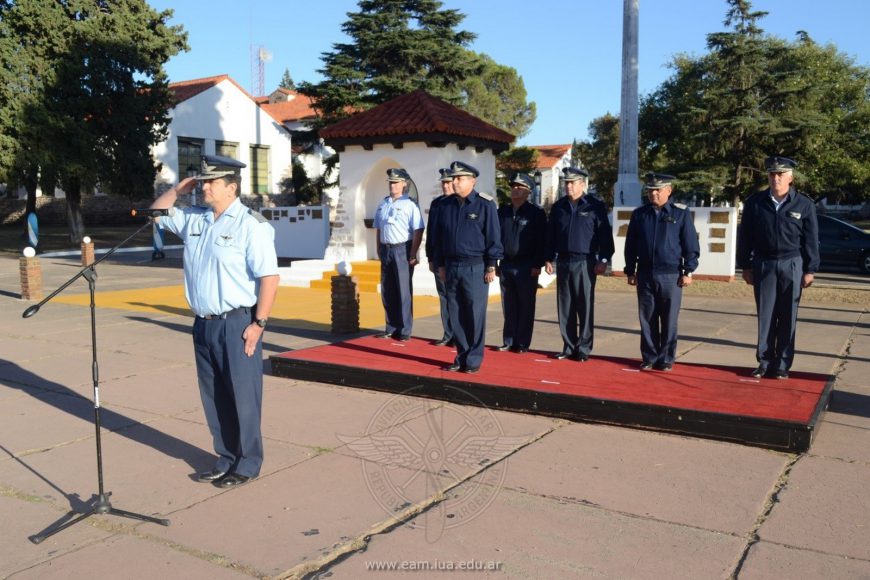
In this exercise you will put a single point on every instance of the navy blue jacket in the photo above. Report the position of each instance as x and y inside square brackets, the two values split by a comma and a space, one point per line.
[663, 243]
[430, 221]
[467, 231]
[524, 233]
[768, 234]
[585, 231]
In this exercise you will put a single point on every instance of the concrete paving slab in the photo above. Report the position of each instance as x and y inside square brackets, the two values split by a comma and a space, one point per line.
[132, 558]
[46, 420]
[774, 562]
[823, 507]
[842, 441]
[295, 515]
[530, 536]
[147, 467]
[23, 516]
[167, 390]
[709, 484]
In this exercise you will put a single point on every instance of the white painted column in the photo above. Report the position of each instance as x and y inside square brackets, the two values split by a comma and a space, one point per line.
[627, 191]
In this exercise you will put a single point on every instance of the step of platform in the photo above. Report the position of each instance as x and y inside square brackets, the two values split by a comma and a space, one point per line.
[367, 273]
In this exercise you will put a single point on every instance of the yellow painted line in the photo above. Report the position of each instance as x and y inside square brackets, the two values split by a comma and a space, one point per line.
[294, 307]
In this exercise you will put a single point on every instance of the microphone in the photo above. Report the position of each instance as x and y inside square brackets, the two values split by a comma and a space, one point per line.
[153, 213]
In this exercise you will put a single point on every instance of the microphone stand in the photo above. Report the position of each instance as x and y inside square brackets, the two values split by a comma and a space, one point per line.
[102, 504]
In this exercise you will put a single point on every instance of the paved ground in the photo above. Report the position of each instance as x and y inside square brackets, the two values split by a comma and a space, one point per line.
[544, 499]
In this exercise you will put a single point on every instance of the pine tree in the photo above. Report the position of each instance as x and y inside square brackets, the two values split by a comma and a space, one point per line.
[287, 81]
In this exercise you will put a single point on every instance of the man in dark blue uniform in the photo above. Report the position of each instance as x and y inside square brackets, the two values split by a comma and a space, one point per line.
[467, 249]
[580, 241]
[399, 227]
[661, 252]
[230, 282]
[524, 238]
[778, 250]
[446, 191]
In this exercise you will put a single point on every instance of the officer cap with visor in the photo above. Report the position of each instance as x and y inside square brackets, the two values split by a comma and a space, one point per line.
[445, 174]
[217, 166]
[778, 164]
[459, 168]
[574, 174]
[397, 174]
[658, 180]
[523, 180]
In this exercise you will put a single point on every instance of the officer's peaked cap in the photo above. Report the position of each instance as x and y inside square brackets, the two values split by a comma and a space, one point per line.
[574, 173]
[658, 180]
[397, 174]
[215, 166]
[458, 168]
[445, 174]
[779, 164]
[523, 180]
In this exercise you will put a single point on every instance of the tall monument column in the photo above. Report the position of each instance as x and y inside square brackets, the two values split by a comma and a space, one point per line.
[627, 190]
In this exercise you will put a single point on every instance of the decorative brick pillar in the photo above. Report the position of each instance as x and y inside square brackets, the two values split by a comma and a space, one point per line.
[31, 278]
[87, 251]
[345, 304]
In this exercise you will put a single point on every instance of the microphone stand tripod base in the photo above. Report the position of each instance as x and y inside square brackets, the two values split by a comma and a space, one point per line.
[101, 506]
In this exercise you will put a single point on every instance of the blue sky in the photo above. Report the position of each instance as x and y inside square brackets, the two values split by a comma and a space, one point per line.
[567, 51]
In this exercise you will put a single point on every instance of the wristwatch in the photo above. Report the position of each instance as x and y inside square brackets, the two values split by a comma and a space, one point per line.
[490, 269]
[603, 260]
[261, 322]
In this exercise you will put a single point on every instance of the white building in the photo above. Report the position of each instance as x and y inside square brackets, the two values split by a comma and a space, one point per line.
[216, 116]
[551, 160]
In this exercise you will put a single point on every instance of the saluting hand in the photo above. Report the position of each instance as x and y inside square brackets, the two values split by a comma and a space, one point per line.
[251, 335]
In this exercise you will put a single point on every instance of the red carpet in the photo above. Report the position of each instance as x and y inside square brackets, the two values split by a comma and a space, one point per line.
[724, 402]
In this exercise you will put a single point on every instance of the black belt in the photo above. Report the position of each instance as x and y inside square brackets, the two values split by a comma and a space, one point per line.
[227, 314]
[395, 245]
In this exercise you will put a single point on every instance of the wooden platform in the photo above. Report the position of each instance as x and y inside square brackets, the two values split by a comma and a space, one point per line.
[705, 401]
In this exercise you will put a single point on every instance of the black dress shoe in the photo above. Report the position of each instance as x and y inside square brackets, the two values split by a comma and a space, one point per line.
[519, 349]
[646, 366]
[232, 480]
[664, 367]
[780, 374]
[451, 342]
[579, 357]
[384, 335]
[210, 476]
[442, 342]
[471, 370]
[562, 355]
[504, 347]
[455, 367]
[404, 338]
[759, 372]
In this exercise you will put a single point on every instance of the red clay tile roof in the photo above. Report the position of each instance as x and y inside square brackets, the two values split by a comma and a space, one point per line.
[549, 155]
[415, 114]
[184, 90]
[296, 109]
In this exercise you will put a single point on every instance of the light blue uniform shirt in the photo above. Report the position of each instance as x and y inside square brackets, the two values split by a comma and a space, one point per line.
[398, 220]
[223, 259]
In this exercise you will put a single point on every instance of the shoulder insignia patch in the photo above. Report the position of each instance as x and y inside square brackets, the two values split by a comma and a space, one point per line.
[486, 196]
[680, 205]
[257, 216]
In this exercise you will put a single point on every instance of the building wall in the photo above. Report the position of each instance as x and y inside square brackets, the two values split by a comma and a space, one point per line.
[224, 113]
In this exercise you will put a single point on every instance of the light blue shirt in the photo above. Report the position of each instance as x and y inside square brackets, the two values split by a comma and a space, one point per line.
[398, 220]
[223, 258]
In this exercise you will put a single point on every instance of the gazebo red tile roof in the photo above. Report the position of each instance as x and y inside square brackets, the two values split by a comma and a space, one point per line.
[549, 155]
[417, 116]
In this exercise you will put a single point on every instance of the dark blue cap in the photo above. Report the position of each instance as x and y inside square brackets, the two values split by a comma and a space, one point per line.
[397, 174]
[658, 180]
[523, 180]
[779, 164]
[458, 168]
[574, 173]
[445, 174]
[215, 166]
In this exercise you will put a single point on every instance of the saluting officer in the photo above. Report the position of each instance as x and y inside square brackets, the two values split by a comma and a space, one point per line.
[230, 282]
[580, 241]
[778, 250]
[661, 252]
[446, 191]
[524, 237]
[399, 226]
[467, 249]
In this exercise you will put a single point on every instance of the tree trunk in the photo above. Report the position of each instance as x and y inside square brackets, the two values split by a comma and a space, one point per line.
[74, 210]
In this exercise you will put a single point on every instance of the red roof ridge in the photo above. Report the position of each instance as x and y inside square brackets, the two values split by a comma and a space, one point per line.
[549, 155]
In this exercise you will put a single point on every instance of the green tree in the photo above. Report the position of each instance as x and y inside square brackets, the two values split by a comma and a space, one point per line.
[600, 155]
[716, 118]
[523, 159]
[287, 81]
[396, 47]
[97, 98]
[497, 95]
